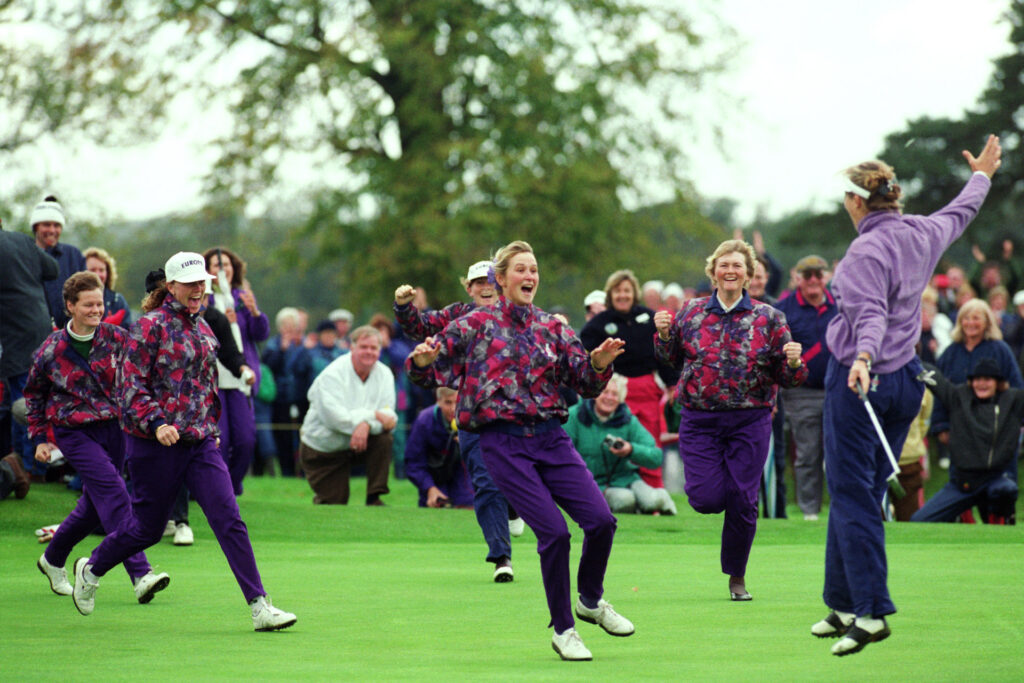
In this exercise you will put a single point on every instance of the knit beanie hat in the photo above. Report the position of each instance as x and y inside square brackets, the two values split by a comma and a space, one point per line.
[986, 367]
[48, 211]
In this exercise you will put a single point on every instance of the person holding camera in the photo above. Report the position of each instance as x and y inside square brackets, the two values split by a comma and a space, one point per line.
[615, 445]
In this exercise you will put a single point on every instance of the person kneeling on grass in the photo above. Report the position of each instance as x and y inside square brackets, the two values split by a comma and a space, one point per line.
[433, 462]
[984, 417]
[615, 445]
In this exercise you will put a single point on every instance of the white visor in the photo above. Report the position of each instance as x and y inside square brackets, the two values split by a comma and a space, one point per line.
[850, 186]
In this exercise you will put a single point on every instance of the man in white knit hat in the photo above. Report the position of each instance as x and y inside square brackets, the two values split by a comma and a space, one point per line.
[48, 221]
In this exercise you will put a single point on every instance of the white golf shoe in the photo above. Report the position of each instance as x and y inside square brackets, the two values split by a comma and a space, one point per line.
[170, 528]
[266, 617]
[516, 526]
[84, 593]
[183, 535]
[570, 647]
[149, 585]
[58, 576]
[605, 617]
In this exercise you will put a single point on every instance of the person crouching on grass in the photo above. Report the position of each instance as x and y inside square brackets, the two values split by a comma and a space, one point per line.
[71, 386]
[984, 433]
[732, 352]
[167, 391]
[507, 362]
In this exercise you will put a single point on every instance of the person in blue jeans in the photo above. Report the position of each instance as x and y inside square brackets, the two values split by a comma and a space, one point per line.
[984, 415]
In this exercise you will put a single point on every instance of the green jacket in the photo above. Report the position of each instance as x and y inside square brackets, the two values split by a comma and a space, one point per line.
[587, 434]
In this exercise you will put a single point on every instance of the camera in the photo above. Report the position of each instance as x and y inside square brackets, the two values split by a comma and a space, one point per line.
[613, 442]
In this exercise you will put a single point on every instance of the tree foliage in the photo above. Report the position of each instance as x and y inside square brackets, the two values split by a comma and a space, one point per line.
[931, 170]
[433, 132]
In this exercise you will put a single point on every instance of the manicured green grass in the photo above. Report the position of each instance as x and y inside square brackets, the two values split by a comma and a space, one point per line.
[403, 594]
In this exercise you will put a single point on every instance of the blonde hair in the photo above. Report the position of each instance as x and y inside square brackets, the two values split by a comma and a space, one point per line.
[616, 279]
[366, 331]
[504, 256]
[976, 306]
[878, 178]
[103, 255]
[732, 247]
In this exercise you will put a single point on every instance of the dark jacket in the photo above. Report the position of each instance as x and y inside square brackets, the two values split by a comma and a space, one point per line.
[229, 355]
[636, 328]
[24, 314]
[983, 435]
[808, 324]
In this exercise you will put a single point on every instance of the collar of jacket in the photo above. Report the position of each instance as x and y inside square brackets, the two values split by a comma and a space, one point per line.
[520, 314]
[588, 415]
[744, 304]
[871, 221]
[176, 307]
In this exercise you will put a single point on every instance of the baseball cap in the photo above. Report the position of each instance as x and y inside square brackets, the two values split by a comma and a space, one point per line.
[186, 266]
[478, 270]
[595, 297]
[811, 262]
[1018, 298]
[340, 314]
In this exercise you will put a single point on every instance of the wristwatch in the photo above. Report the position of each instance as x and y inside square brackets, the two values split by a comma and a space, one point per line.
[865, 359]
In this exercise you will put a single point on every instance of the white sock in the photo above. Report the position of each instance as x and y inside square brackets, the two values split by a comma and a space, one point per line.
[870, 625]
[89, 576]
[846, 617]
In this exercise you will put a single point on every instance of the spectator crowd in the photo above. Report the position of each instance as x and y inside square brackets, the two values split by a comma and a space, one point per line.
[337, 397]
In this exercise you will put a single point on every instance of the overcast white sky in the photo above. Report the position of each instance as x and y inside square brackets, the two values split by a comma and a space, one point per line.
[823, 82]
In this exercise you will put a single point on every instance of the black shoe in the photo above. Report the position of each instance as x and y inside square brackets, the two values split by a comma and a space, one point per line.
[375, 500]
[862, 638]
[503, 571]
[838, 628]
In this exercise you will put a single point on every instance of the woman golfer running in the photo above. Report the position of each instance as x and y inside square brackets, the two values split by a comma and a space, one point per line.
[507, 361]
[71, 387]
[878, 286]
[167, 390]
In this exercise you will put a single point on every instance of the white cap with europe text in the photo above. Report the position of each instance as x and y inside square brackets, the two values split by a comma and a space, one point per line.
[186, 267]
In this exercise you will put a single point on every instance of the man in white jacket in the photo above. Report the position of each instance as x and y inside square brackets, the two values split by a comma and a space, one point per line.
[351, 416]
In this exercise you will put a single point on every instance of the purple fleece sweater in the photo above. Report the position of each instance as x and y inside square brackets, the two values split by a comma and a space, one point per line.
[878, 284]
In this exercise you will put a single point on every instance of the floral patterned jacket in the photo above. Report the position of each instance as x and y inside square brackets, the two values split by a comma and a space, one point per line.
[507, 363]
[64, 389]
[731, 360]
[168, 375]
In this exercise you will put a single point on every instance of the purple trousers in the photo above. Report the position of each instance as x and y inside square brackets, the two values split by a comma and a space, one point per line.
[157, 473]
[97, 453]
[237, 434]
[537, 474]
[723, 457]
